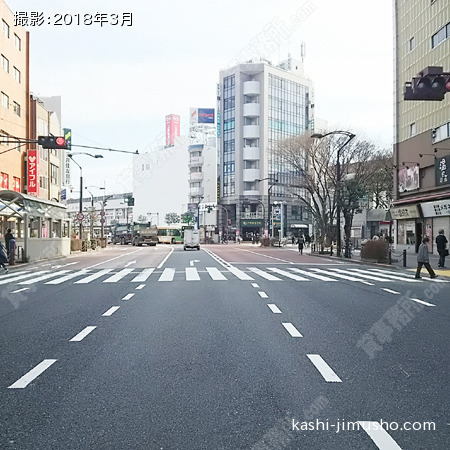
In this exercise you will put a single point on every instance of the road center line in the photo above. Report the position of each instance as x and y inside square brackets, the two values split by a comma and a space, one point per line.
[110, 311]
[255, 285]
[82, 334]
[263, 294]
[274, 308]
[128, 296]
[267, 256]
[325, 370]
[292, 330]
[32, 374]
[379, 435]
[422, 302]
[390, 291]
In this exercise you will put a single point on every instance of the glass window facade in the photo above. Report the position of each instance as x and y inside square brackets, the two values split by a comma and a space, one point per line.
[229, 136]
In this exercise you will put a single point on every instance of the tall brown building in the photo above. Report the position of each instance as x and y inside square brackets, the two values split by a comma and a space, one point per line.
[421, 128]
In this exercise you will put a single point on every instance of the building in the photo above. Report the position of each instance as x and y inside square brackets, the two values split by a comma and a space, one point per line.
[259, 105]
[422, 128]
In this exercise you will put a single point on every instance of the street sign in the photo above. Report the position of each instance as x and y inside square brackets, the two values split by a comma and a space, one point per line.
[102, 213]
[80, 216]
[102, 220]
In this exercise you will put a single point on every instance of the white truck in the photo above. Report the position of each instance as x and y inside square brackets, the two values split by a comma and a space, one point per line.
[191, 239]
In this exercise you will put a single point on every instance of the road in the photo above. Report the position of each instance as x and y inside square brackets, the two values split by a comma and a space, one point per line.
[228, 347]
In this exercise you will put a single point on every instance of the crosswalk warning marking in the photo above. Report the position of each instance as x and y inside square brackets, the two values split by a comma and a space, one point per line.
[344, 277]
[363, 275]
[263, 274]
[287, 274]
[215, 273]
[44, 277]
[142, 277]
[313, 275]
[192, 274]
[68, 277]
[94, 276]
[240, 274]
[167, 275]
[118, 276]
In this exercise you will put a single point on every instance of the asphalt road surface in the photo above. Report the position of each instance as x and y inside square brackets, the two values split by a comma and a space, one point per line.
[229, 347]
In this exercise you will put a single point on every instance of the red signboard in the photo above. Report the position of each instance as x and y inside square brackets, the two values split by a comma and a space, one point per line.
[33, 173]
[4, 180]
[16, 184]
[172, 128]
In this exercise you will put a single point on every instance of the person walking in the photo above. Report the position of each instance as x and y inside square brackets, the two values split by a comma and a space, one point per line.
[8, 237]
[423, 259]
[301, 243]
[441, 245]
[3, 258]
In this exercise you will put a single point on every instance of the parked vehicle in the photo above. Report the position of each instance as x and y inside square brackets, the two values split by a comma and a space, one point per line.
[191, 239]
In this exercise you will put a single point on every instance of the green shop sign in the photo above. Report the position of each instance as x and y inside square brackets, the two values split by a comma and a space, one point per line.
[251, 222]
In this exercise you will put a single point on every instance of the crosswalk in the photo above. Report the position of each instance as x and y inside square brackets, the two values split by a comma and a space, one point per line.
[220, 274]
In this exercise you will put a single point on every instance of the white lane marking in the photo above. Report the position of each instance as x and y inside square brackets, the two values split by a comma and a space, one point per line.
[82, 334]
[72, 263]
[68, 277]
[167, 275]
[262, 294]
[292, 330]
[112, 259]
[141, 286]
[255, 285]
[362, 275]
[393, 277]
[313, 275]
[128, 296]
[110, 311]
[287, 274]
[422, 302]
[379, 435]
[239, 273]
[325, 370]
[192, 274]
[143, 275]
[20, 290]
[21, 277]
[32, 374]
[118, 276]
[215, 273]
[129, 263]
[390, 291]
[411, 278]
[344, 277]
[193, 261]
[93, 277]
[263, 274]
[44, 277]
[13, 274]
[274, 308]
[166, 258]
[221, 261]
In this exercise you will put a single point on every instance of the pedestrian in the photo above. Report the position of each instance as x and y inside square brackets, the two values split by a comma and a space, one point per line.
[8, 237]
[441, 245]
[293, 240]
[3, 258]
[423, 258]
[301, 242]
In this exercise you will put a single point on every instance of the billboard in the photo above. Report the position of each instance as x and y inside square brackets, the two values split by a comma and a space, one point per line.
[172, 129]
[32, 172]
[201, 115]
[408, 179]
[442, 170]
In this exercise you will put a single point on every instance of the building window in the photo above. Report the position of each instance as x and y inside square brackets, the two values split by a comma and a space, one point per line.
[5, 63]
[440, 36]
[53, 174]
[441, 133]
[5, 101]
[17, 42]
[17, 75]
[412, 44]
[16, 108]
[5, 27]
[412, 129]
[4, 180]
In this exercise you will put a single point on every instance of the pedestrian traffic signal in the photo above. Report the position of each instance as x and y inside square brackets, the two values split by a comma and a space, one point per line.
[129, 201]
[432, 84]
[52, 142]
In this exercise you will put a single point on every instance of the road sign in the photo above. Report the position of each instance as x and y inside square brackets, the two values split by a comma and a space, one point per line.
[80, 216]
[102, 220]
[102, 213]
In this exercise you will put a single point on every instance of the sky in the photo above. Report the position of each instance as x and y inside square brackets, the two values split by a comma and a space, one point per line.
[118, 83]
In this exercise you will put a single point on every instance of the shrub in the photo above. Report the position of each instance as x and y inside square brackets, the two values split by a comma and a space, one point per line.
[375, 250]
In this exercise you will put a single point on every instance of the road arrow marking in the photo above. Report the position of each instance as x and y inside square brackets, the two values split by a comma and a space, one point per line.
[191, 263]
[129, 264]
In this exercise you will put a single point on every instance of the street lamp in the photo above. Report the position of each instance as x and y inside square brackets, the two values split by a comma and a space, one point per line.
[350, 136]
[226, 211]
[102, 214]
[70, 155]
[272, 183]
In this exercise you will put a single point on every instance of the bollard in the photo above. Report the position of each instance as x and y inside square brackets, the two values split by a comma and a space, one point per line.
[404, 258]
[12, 251]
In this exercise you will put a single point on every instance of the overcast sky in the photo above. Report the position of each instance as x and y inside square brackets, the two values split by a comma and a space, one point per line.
[118, 82]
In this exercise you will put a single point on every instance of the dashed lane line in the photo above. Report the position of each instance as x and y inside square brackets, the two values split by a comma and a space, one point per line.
[325, 370]
[32, 374]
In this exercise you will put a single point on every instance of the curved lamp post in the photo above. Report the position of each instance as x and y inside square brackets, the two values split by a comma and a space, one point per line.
[350, 136]
[272, 183]
[70, 155]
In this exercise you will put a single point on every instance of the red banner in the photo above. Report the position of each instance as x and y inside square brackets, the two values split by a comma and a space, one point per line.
[4, 180]
[172, 128]
[33, 173]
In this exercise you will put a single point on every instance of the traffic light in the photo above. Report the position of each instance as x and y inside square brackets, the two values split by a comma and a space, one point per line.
[52, 142]
[129, 201]
[431, 84]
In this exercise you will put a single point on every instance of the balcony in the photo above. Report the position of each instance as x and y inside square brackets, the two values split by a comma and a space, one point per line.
[251, 132]
[252, 88]
[250, 174]
[196, 161]
[250, 153]
[196, 192]
[252, 110]
[196, 176]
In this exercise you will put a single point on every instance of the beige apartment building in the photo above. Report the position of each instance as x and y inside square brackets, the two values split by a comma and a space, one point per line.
[421, 128]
